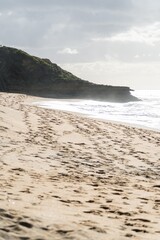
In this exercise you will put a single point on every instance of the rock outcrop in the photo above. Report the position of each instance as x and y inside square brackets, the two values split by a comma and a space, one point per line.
[23, 73]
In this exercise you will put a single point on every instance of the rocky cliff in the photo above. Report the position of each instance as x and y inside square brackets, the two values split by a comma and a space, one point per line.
[23, 73]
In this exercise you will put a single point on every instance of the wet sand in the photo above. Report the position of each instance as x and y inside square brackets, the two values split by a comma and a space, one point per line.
[65, 176]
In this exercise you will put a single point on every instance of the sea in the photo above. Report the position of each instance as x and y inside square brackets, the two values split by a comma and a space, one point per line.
[144, 113]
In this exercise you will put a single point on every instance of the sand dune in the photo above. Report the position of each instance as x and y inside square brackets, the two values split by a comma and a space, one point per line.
[64, 176]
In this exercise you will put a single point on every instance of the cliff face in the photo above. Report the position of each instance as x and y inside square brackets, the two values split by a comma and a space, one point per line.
[23, 73]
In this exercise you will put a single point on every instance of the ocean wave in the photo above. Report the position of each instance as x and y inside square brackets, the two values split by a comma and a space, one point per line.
[145, 112]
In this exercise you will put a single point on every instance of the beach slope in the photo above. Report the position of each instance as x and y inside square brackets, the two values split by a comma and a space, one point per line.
[65, 176]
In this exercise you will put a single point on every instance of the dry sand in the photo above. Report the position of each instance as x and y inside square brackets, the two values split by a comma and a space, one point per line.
[64, 176]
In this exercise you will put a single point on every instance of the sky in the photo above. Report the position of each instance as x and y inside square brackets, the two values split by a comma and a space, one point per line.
[115, 42]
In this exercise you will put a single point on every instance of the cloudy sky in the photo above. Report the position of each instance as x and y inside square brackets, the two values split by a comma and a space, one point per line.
[113, 42]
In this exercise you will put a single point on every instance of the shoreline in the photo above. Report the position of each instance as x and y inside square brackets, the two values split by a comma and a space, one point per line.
[140, 126]
[65, 176]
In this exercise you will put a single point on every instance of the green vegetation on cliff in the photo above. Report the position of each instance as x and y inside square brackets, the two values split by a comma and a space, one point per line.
[23, 73]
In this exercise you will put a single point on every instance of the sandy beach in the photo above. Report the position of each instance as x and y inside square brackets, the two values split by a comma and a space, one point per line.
[66, 176]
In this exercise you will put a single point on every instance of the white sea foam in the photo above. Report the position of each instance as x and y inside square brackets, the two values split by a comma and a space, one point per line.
[144, 113]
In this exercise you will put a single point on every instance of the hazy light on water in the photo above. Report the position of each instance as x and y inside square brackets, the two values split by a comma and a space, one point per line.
[147, 94]
[145, 113]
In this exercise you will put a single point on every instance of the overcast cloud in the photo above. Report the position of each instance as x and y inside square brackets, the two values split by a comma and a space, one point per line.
[105, 41]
